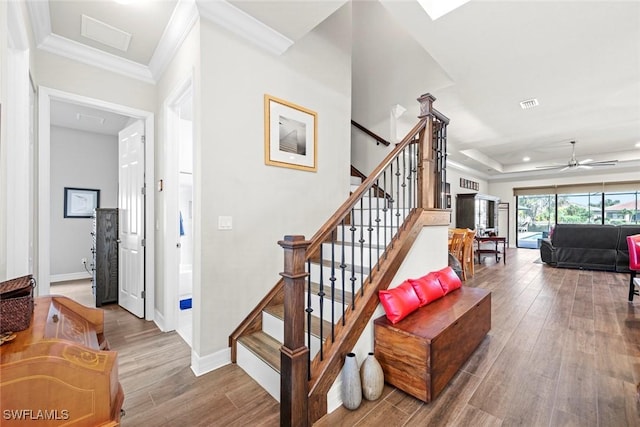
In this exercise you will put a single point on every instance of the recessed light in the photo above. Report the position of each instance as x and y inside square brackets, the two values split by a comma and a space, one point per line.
[529, 103]
[526, 159]
[637, 144]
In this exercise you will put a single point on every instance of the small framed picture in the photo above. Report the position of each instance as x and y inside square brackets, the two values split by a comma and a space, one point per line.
[80, 202]
[290, 135]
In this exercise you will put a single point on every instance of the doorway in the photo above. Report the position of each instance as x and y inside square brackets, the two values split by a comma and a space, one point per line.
[45, 97]
[179, 199]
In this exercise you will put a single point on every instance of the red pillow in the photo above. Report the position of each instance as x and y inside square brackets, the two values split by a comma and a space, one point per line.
[449, 280]
[427, 288]
[399, 302]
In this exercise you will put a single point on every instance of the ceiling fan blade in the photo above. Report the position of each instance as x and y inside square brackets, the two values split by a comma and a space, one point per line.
[550, 167]
[604, 163]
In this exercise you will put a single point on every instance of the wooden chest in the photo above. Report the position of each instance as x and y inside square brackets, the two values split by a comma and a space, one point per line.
[421, 353]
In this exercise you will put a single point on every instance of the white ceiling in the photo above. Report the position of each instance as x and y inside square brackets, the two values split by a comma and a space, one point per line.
[580, 59]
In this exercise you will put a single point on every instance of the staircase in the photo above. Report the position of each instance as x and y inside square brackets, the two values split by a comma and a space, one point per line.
[294, 341]
[258, 353]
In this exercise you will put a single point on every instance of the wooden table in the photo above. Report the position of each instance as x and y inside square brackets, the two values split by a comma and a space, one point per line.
[496, 240]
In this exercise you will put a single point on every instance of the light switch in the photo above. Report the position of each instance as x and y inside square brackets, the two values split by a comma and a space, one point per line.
[225, 223]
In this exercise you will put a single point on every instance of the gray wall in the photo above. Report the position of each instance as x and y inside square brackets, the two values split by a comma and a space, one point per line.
[82, 160]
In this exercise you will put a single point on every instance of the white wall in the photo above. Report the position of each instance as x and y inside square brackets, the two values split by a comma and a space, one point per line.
[81, 160]
[504, 189]
[265, 202]
[4, 46]
[184, 65]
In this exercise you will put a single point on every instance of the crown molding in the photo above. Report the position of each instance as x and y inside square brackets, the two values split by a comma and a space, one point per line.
[244, 25]
[98, 58]
[182, 20]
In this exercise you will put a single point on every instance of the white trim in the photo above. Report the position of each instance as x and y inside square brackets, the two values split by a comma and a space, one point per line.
[45, 95]
[184, 17]
[18, 38]
[18, 171]
[89, 55]
[69, 276]
[210, 362]
[158, 319]
[171, 207]
[40, 19]
[244, 25]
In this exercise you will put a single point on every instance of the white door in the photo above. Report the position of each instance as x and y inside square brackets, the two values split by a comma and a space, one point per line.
[131, 219]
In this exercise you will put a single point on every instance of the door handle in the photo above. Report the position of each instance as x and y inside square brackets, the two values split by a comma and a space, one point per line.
[178, 245]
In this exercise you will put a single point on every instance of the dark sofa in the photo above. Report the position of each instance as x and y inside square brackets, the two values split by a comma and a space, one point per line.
[589, 246]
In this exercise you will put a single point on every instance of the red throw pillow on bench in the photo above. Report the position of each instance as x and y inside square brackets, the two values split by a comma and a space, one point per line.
[449, 280]
[399, 302]
[427, 288]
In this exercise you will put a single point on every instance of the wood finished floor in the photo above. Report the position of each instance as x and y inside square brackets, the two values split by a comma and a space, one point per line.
[564, 350]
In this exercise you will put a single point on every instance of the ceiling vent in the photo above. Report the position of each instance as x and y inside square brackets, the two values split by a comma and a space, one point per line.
[105, 33]
[529, 103]
[87, 118]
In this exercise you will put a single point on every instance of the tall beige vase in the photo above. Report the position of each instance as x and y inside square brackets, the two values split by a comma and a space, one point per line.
[351, 386]
[371, 377]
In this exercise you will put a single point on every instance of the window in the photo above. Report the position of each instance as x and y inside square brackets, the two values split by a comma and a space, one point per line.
[536, 217]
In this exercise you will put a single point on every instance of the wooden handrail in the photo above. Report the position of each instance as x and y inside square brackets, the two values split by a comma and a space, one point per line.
[379, 139]
[324, 231]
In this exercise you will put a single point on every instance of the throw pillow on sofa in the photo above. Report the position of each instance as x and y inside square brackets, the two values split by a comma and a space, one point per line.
[449, 280]
[428, 288]
[399, 302]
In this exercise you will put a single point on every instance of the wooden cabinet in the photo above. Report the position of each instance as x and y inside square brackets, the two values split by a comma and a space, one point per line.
[59, 371]
[421, 353]
[105, 256]
[478, 212]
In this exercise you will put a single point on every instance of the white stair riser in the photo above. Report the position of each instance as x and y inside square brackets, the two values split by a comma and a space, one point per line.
[377, 236]
[385, 218]
[260, 371]
[358, 254]
[326, 309]
[274, 327]
[326, 275]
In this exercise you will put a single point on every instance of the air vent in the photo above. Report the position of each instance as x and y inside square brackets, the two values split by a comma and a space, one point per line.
[529, 103]
[105, 33]
[87, 118]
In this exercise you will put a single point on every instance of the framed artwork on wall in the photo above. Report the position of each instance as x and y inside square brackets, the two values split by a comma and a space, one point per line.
[290, 135]
[80, 202]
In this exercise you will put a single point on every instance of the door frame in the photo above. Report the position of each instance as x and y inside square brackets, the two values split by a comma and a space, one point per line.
[45, 95]
[172, 194]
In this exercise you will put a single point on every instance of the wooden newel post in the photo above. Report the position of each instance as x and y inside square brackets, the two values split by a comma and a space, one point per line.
[427, 183]
[294, 355]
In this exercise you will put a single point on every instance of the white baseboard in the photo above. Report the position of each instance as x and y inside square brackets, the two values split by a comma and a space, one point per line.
[210, 362]
[69, 276]
[158, 319]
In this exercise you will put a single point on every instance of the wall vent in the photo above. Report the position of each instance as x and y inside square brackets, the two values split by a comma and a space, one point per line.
[529, 103]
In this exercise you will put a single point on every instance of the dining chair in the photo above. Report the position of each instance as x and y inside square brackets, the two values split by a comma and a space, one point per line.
[468, 268]
[633, 242]
[455, 248]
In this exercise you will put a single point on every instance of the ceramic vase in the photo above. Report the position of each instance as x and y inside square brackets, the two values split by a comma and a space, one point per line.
[351, 385]
[372, 378]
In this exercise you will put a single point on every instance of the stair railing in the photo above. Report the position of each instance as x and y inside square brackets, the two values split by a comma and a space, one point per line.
[340, 264]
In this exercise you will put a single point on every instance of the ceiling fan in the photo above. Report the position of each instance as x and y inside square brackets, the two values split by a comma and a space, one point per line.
[575, 164]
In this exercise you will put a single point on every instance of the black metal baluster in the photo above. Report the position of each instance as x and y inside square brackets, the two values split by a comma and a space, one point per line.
[384, 210]
[370, 228]
[378, 220]
[343, 267]
[321, 295]
[398, 194]
[333, 287]
[309, 310]
[361, 241]
[353, 263]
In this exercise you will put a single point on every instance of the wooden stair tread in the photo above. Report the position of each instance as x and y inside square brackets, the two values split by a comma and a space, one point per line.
[327, 263]
[277, 310]
[264, 346]
[357, 244]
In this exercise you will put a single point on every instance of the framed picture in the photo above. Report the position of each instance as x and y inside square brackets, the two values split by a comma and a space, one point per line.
[80, 202]
[290, 135]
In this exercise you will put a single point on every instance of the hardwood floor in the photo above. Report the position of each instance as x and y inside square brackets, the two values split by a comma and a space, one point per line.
[564, 350]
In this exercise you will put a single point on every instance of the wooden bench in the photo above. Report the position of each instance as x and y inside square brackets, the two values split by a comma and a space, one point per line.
[421, 353]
